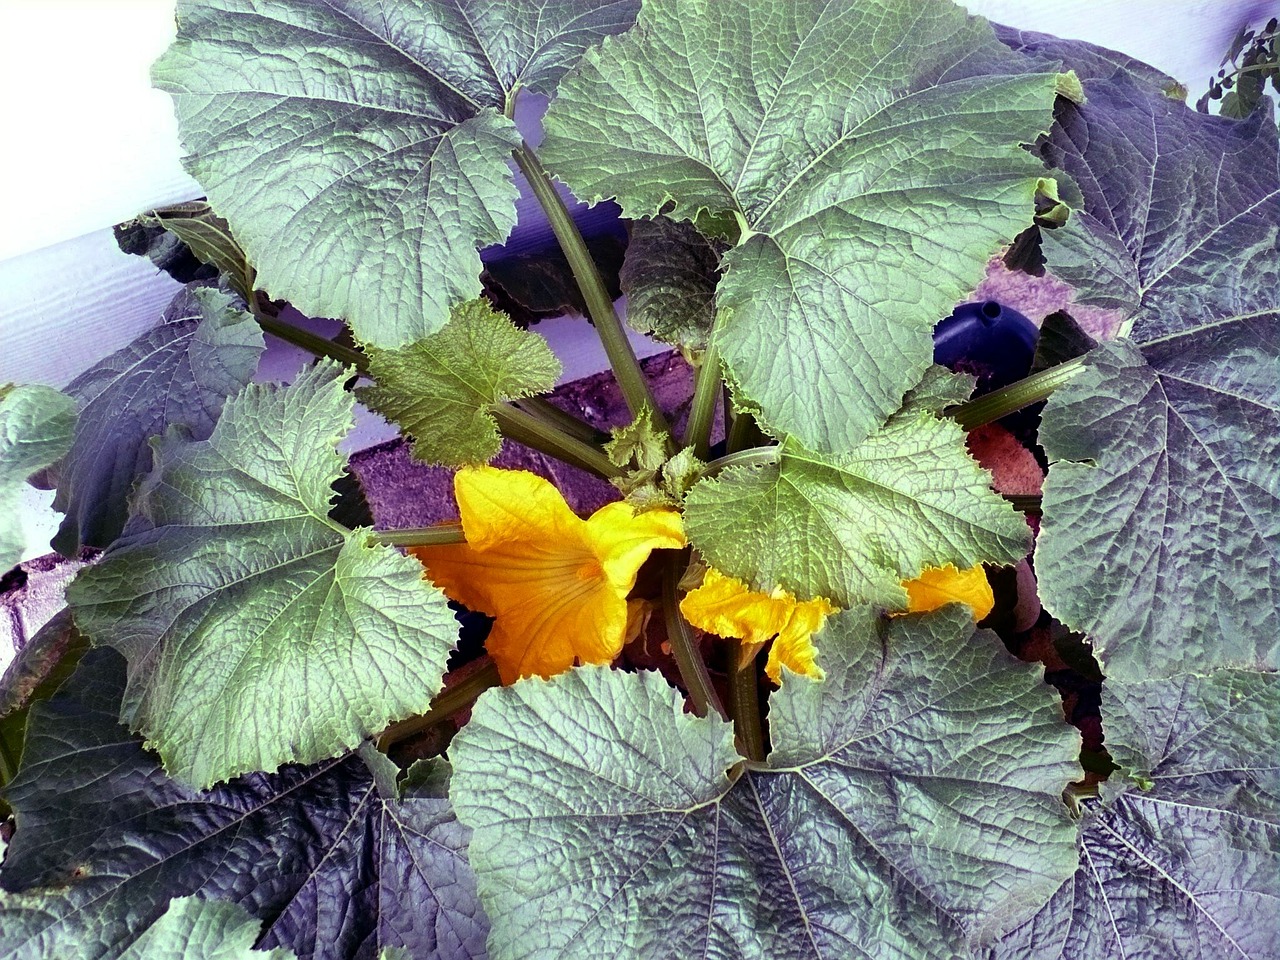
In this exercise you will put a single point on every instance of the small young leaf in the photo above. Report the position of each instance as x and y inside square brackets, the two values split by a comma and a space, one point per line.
[359, 151]
[36, 428]
[870, 152]
[1182, 863]
[851, 528]
[195, 227]
[336, 869]
[637, 445]
[669, 277]
[258, 632]
[440, 388]
[1161, 530]
[177, 374]
[912, 804]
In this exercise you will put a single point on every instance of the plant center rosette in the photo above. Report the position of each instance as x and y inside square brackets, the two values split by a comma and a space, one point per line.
[560, 588]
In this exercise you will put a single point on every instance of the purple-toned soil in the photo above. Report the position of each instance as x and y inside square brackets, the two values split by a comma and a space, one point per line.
[403, 492]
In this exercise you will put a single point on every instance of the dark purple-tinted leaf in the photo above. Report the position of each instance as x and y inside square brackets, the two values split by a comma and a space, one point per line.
[144, 236]
[104, 840]
[1161, 530]
[911, 805]
[176, 374]
[1089, 62]
[38, 670]
[1184, 863]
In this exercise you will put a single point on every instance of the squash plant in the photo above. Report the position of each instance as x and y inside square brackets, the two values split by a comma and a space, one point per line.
[810, 186]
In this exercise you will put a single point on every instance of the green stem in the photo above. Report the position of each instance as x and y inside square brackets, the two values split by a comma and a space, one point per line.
[544, 408]
[626, 368]
[439, 535]
[744, 700]
[448, 702]
[1025, 503]
[8, 764]
[743, 434]
[755, 456]
[311, 342]
[1253, 68]
[693, 671]
[1010, 399]
[523, 427]
[706, 391]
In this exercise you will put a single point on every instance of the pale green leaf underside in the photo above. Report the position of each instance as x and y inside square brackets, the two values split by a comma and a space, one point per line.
[872, 146]
[911, 803]
[357, 148]
[37, 425]
[440, 388]
[258, 632]
[850, 528]
[193, 929]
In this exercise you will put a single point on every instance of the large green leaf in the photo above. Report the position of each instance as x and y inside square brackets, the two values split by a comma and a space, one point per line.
[257, 630]
[440, 388]
[358, 149]
[1186, 863]
[870, 151]
[850, 528]
[176, 374]
[911, 805]
[194, 929]
[1161, 529]
[36, 427]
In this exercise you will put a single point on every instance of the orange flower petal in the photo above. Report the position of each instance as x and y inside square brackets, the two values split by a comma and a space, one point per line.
[555, 584]
[794, 647]
[938, 586]
[729, 608]
[500, 506]
[623, 539]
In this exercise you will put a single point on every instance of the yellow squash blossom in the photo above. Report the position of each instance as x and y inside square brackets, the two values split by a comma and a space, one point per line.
[555, 584]
[729, 608]
[938, 586]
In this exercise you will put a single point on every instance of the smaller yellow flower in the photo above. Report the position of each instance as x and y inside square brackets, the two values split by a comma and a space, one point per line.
[938, 586]
[729, 608]
[555, 584]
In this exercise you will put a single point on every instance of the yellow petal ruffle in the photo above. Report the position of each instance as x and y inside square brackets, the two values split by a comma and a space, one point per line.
[729, 608]
[556, 584]
[938, 586]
